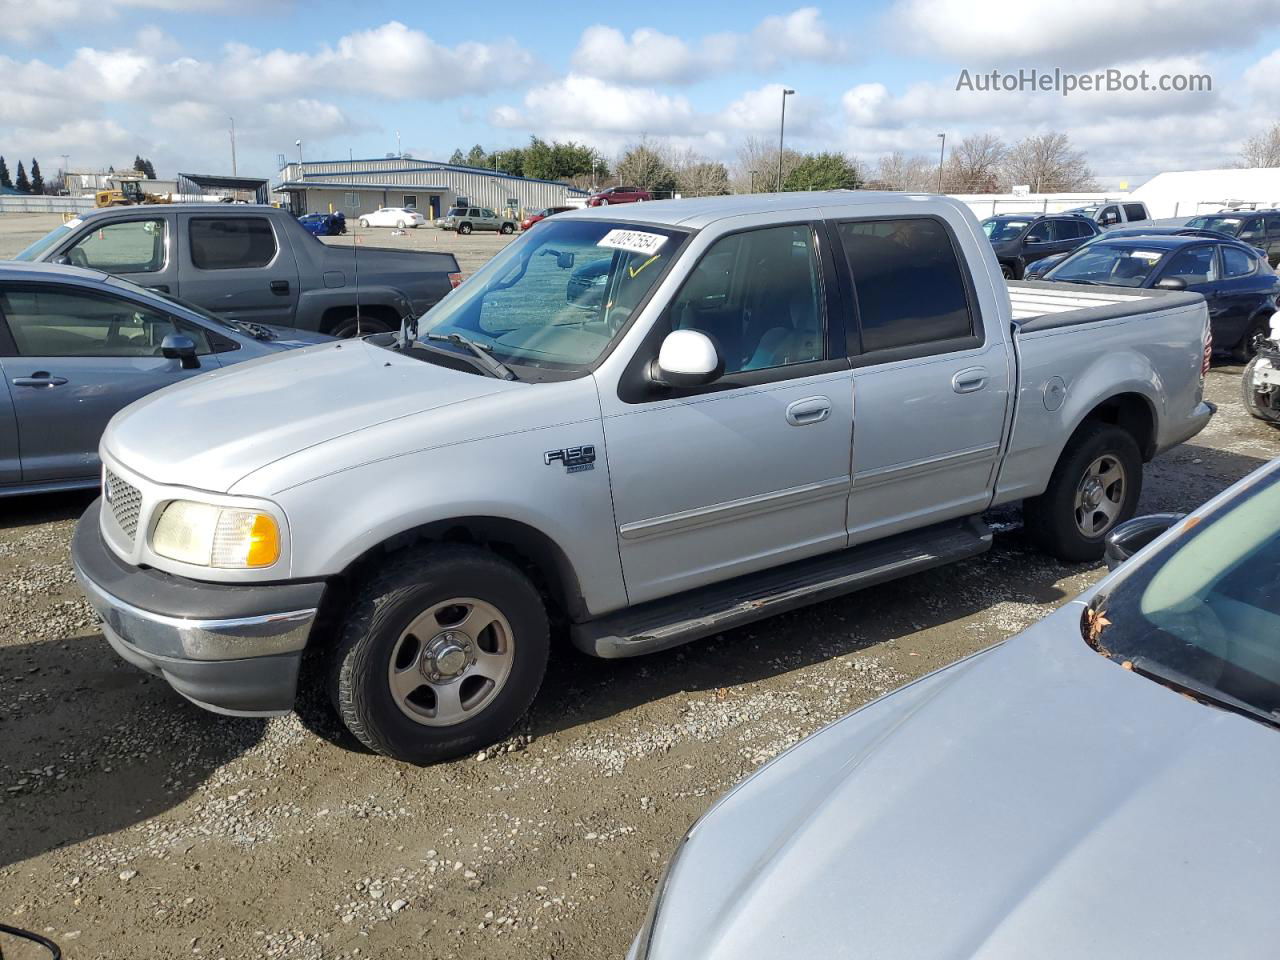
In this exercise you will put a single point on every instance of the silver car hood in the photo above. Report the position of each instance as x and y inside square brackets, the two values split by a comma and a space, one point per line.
[213, 430]
[1037, 801]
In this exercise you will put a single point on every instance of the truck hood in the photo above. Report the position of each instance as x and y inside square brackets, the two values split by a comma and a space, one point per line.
[213, 430]
[1034, 801]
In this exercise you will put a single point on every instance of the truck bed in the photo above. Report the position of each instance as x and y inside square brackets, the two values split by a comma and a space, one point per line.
[1038, 305]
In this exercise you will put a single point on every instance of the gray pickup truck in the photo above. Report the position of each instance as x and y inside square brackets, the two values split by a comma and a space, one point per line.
[253, 263]
[774, 400]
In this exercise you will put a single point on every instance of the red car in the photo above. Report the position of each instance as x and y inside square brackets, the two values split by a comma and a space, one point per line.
[618, 195]
[533, 218]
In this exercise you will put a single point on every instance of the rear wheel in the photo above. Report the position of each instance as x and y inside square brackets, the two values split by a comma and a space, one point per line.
[1255, 337]
[362, 327]
[507, 228]
[1252, 400]
[1006, 271]
[1095, 486]
[441, 653]
[364, 223]
[464, 228]
[399, 224]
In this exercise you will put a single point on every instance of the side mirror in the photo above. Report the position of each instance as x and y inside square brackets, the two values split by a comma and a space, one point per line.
[687, 359]
[62, 259]
[178, 346]
[1171, 283]
[1132, 535]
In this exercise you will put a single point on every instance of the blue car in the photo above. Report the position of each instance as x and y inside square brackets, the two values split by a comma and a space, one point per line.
[78, 345]
[324, 224]
[1234, 278]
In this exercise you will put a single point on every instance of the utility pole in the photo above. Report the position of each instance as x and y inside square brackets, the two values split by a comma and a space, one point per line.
[941, 152]
[65, 158]
[233, 145]
[782, 129]
[399, 152]
[298, 144]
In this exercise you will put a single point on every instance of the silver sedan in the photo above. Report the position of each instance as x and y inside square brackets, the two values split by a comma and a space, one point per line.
[1102, 785]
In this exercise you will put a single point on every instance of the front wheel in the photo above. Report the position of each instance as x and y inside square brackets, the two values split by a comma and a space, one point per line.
[1095, 486]
[364, 223]
[603, 202]
[441, 654]
[1254, 339]
[1006, 271]
[1252, 400]
[464, 228]
[399, 224]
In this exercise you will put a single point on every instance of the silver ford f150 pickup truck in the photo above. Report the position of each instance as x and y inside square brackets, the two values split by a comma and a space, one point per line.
[641, 426]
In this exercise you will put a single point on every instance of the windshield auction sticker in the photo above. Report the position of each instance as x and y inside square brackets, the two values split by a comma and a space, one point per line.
[635, 241]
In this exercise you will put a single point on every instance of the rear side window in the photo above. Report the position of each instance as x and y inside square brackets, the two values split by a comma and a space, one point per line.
[1273, 226]
[1237, 263]
[908, 283]
[227, 243]
[1135, 211]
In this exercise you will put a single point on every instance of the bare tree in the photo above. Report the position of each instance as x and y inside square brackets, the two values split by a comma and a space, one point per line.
[897, 171]
[698, 176]
[974, 165]
[1047, 164]
[1262, 150]
[756, 168]
[647, 166]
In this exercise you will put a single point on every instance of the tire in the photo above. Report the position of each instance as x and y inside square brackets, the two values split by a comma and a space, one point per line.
[399, 224]
[603, 202]
[1250, 399]
[379, 643]
[347, 328]
[1006, 271]
[1053, 519]
[507, 228]
[1255, 335]
[364, 223]
[464, 228]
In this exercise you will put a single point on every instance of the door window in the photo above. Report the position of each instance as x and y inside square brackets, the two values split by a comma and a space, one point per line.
[230, 243]
[1109, 216]
[1252, 230]
[474, 213]
[1273, 226]
[56, 322]
[132, 246]
[1193, 265]
[1039, 233]
[1135, 211]
[758, 296]
[1237, 263]
[908, 284]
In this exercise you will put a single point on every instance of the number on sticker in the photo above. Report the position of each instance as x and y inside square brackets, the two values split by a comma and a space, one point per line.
[635, 241]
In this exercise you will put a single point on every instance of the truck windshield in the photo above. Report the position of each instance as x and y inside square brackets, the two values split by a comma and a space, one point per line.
[558, 296]
[1206, 608]
[1228, 225]
[47, 242]
[1123, 266]
[998, 229]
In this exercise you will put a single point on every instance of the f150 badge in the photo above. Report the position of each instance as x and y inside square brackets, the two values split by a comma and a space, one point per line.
[575, 459]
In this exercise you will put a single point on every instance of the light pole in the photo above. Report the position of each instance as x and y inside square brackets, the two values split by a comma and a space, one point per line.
[941, 152]
[233, 145]
[399, 152]
[782, 129]
[66, 157]
[298, 144]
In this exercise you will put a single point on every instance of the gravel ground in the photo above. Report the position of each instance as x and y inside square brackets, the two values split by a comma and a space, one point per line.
[134, 825]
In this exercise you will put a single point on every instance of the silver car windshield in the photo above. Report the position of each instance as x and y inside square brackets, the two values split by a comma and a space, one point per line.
[558, 296]
[1206, 608]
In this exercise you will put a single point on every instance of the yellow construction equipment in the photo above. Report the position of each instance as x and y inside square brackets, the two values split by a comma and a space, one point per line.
[129, 193]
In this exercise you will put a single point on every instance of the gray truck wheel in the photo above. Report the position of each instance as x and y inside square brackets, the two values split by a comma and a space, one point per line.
[1094, 486]
[1250, 397]
[347, 328]
[507, 228]
[464, 228]
[441, 652]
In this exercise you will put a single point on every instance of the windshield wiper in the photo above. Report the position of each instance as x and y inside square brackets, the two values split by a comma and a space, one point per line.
[491, 364]
[1177, 680]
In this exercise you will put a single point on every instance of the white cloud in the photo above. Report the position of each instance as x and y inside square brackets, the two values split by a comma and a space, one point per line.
[582, 103]
[760, 111]
[801, 34]
[647, 56]
[991, 33]
[25, 21]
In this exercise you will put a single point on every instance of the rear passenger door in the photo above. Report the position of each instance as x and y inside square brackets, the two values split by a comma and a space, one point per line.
[931, 388]
[239, 266]
[1272, 245]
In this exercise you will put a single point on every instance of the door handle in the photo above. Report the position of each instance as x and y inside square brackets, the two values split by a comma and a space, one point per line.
[279, 286]
[809, 410]
[39, 379]
[969, 380]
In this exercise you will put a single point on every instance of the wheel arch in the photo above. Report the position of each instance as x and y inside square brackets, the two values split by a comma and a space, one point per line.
[1132, 412]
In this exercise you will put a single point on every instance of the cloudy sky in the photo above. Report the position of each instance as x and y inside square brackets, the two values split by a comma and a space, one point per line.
[103, 80]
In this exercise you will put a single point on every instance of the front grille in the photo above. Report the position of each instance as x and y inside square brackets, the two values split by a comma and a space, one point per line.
[125, 501]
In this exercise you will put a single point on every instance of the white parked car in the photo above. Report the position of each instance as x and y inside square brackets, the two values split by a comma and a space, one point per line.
[393, 217]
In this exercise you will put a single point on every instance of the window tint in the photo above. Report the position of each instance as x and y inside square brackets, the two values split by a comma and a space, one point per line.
[489, 213]
[1109, 215]
[908, 282]
[473, 213]
[1252, 230]
[1040, 233]
[135, 246]
[1194, 265]
[57, 322]
[1273, 226]
[1237, 263]
[225, 243]
[1135, 211]
[758, 296]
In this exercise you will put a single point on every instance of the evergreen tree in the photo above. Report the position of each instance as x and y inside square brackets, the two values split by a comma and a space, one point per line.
[457, 157]
[143, 166]
[476, 156]
[5, 179]
[37, 181]
[21, 183]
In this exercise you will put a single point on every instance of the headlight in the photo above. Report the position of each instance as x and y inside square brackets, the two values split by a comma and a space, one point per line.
[210, 536]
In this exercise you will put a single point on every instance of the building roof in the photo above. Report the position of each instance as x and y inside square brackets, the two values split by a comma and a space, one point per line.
[213, 181]
[419, 166]
[310, 183]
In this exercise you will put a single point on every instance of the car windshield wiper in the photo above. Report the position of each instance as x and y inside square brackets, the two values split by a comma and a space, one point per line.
[491, 364]
[1177, 680]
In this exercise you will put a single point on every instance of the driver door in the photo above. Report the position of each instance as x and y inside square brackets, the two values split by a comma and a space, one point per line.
[137, 248]
[72, 358]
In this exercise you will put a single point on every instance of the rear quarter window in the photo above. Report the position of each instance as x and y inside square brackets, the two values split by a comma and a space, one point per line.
[228, 243]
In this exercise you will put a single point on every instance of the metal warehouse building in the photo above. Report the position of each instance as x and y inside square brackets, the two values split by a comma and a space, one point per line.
[359, 186]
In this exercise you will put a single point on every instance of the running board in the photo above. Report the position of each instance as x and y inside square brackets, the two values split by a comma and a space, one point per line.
[671, 621]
